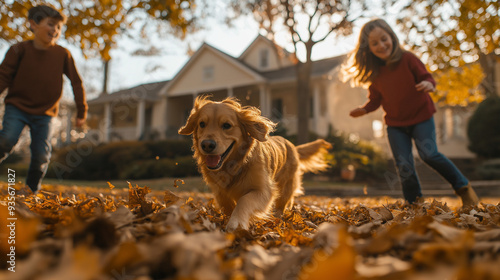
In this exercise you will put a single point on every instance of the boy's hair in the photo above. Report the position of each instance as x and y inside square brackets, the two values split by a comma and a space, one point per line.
[362, 65]
[41, 12]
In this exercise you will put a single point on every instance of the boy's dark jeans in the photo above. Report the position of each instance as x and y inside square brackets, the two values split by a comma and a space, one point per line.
[424, 136]
[14, 122]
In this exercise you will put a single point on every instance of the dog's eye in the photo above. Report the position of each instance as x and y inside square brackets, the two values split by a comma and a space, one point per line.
[202, 124]
[226, 126]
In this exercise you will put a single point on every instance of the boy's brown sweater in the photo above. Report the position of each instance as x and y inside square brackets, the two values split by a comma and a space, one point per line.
[34, 78]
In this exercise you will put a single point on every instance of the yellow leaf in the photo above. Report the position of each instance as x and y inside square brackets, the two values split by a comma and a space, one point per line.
[26, 233]
[137, 195]
[127, 255]
[170, 198]
[339, 265]
[86, 261]
[178, 180]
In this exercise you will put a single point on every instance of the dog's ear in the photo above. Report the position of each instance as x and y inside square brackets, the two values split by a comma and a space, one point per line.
[192, 120]
[257, 126]
[258, 131]
[190, 125]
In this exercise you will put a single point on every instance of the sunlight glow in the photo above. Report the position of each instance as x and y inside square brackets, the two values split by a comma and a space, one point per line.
[378, 129]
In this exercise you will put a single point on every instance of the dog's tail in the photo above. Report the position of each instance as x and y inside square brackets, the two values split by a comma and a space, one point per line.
[312, 156]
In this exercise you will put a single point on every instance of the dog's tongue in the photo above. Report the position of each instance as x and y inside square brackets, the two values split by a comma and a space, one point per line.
[212, 161]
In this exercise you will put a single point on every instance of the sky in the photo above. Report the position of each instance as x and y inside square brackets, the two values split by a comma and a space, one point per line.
[127, 70]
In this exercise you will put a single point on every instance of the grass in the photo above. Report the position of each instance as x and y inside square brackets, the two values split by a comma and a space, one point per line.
[190, 183]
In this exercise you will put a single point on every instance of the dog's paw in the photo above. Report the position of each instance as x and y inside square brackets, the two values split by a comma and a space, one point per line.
[234, 224]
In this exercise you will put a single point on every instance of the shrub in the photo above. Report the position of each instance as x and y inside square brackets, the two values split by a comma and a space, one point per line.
[14, 157]
[20, 168]
[167, 167]
[170, 148]
[123, 160]
[489, 170]
[186, 166]
[483, 129]
[173, 158]
[367, 157]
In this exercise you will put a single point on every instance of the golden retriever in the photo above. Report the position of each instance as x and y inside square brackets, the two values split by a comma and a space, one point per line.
[248, 171]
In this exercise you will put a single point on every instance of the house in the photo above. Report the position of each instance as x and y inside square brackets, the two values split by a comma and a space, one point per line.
[262, 76]
[129, 114]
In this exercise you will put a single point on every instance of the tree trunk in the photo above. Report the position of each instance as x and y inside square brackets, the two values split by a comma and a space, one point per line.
[488, 63]
[303, 101]
[303, 96]
[105, 78]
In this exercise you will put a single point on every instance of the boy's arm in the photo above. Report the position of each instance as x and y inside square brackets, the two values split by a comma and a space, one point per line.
[78, 91]
[9, 66]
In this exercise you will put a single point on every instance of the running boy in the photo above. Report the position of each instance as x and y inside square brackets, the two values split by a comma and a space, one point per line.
[399, 82]
[32, 71]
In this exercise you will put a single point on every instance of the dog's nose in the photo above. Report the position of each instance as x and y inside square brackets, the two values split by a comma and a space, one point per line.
[208, 145]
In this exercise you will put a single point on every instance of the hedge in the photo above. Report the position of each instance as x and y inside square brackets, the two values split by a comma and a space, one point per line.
[124, 160]
[483, 129]
[173, 158]
[367, 157]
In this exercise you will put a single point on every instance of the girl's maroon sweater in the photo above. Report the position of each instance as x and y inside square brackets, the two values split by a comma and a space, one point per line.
[394, 90]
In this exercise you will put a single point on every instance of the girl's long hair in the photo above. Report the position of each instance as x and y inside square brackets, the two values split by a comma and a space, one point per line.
[362, 66]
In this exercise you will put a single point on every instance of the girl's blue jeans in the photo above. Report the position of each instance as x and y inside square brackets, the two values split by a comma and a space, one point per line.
[14, 122]
[424, 136]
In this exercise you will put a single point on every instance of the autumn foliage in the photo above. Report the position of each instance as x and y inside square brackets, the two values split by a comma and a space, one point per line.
[459, 86]
[96, 26]
[136, 233]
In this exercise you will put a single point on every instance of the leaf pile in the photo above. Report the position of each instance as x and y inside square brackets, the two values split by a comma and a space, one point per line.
[136, 233]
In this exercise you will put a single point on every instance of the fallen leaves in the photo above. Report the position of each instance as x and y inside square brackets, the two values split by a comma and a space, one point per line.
[340, 264]
[137, 233]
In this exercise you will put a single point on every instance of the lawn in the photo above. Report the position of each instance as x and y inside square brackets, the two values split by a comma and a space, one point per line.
[71, 231]
[190, 183]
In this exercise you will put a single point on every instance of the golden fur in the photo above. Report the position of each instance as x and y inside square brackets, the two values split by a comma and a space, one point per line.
[248, 171]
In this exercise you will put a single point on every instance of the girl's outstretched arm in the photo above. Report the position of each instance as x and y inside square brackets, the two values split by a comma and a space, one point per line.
[358, 112]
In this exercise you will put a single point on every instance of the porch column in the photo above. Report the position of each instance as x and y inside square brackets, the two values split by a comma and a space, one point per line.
[230, 92]
[264, 100]
[316, 107]
[269, 103]
[106, 127]
[69, 115]
[195, 94]
[141, 118]
[164, 117]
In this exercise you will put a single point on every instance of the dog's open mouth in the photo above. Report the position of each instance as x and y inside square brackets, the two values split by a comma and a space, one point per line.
[215, 161]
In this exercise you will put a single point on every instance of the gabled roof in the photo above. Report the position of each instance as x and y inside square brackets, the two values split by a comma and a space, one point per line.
[206, 47]
[319, 68]
[148, 92]
[281, 52]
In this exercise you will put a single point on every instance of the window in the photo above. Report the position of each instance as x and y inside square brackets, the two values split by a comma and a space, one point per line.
[277, 109]
[208, 73]
[458, 126]
[186, 114]
[264, 58]
[311, 107]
